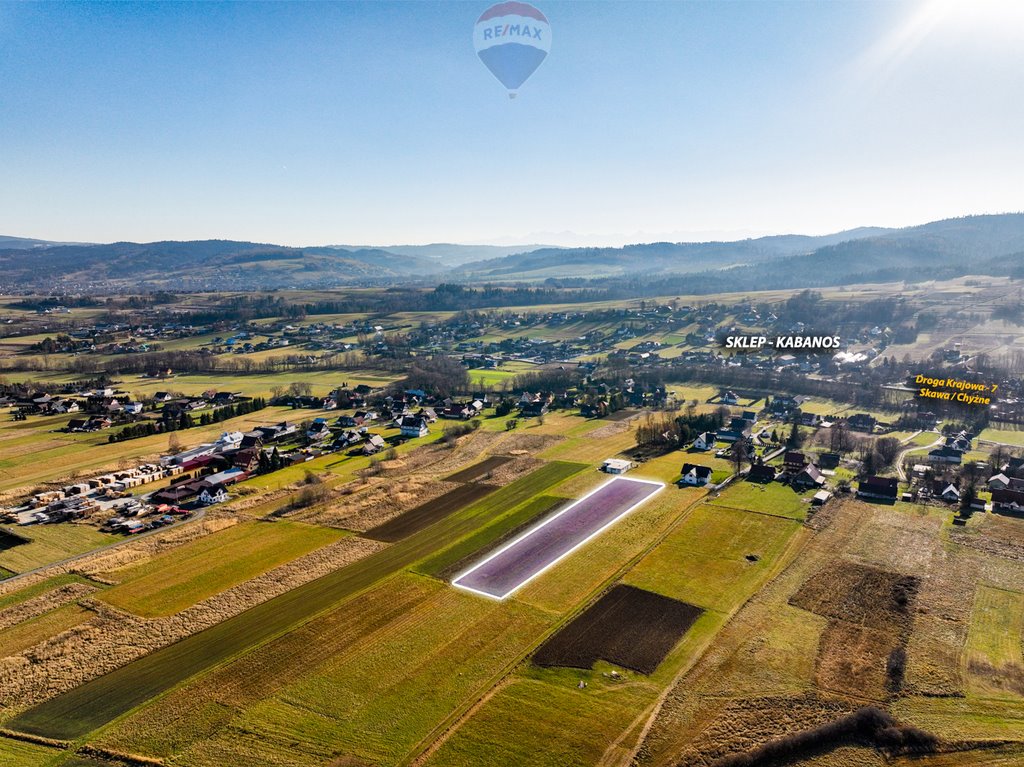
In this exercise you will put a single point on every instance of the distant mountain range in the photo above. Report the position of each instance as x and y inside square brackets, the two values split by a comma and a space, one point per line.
[654, 258]
[450, 254]
[992, 244]
[20, 243]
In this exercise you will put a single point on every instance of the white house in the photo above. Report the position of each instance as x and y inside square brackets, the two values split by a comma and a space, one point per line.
[998, 482]
[230, 439]
[413, 426]
[213, 495]
[616, 466]
[705, 441]
[374, 444]
[695, 474]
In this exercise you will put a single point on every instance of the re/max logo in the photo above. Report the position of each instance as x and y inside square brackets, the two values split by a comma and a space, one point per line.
[509, 30]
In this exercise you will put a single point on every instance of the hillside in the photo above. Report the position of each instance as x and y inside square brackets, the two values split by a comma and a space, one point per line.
[202, 265]
[992, 244]
[24, 243]
[652, 258]
[450, 254]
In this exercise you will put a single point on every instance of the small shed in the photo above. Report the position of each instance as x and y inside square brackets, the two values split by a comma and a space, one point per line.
[616, 466]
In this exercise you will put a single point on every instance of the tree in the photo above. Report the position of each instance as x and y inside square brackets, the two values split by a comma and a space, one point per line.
[970, 476]
[887, 448]
[740, 453]
[999, 456]
[504, 407]
[968, 495]
[173, 444]
[839, 440]
[869, 461]
[439, 375]
[511, 424]
[795, 438]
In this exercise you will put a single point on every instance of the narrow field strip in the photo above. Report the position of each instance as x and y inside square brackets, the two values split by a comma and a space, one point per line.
[479, 470]
[426, 514]
[556, 537]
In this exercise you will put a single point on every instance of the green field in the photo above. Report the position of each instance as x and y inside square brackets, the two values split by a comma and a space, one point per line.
[549, 722]
[15, 753]
[51, 543]
[540, 717]
[252, 385]
[213, 563]
[487, 536]
[966, 718]
[994, 654]
[1004, 433]
[47, 456]
[377, 701]
[83, 709]
[23, 635]
[28, 592]
[772, 498]
[704, 560]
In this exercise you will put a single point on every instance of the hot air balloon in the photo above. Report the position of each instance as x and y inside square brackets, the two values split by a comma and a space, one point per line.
[512, 39]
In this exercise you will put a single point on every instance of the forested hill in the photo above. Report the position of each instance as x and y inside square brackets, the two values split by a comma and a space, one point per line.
[203, 265]
[991, 244]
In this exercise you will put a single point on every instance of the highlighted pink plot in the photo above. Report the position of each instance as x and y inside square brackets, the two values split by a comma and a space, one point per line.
[535, 551]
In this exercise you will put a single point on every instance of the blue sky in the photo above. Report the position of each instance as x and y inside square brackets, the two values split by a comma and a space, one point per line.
[305, 123]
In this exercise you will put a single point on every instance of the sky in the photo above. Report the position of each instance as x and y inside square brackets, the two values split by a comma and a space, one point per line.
[376, 123]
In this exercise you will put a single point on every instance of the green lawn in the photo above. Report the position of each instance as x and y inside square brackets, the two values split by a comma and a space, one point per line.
[704, 560]
[1004, 433]
[213, 563]
[773, 498]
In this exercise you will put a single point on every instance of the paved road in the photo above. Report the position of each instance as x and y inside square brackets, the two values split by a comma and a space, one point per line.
[911, 448]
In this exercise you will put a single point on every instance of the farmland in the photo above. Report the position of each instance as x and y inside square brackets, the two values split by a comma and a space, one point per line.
[426, 514]
[24, 635]
[50, 544]
[995, 664]
[171, 582]
[704, 623]
[97, 702]
[629, 627]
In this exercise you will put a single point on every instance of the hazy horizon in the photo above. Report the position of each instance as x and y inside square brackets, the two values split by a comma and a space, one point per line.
[562, 239]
